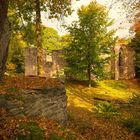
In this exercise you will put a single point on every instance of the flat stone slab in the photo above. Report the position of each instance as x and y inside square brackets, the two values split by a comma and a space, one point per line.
[46, 102]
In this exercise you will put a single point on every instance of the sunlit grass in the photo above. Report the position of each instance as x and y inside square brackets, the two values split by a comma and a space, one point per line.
[78, 101]
[81, 96]
[116, 90]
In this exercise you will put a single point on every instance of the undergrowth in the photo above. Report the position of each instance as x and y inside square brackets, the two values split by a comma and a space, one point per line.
[116, 84]
[30, 131]
[132, 124]
[106, 110]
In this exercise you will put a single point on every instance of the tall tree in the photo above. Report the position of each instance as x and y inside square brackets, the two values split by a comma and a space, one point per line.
[50, 39]
[38, 35]
[4, 35]
[26, 9]
[57, 8]
[91, 42]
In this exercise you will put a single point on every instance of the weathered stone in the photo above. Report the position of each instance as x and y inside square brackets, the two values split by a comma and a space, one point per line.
[30, 62]
[49, 67]
[43, 72]
[52, 66]
[58, 63]
[123, 66]
[52, 105]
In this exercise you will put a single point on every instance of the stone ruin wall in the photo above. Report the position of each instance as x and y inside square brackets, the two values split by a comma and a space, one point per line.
[52, 66]
[123, 65]
[51, 103]
[30, 62]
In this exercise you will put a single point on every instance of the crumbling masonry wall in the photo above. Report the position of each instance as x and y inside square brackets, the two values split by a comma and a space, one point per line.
[30, 62]
[52, 66]
[123, 65]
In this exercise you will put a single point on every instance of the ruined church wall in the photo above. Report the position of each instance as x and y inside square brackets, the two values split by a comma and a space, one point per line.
[127, 69]
[51, 68]
[30, 62]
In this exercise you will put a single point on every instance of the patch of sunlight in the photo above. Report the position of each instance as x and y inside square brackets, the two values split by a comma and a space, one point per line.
[76, 101]
[82, 96]
[117, 90]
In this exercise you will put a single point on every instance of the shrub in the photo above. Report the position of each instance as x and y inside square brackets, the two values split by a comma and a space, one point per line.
[54, 136]
[69, 136]
[13, 89]
[106, 109]
[135, 100]
[133, 124]
[30, 131]
[116, 84]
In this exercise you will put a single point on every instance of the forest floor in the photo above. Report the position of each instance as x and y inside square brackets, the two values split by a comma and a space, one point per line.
[110, 110]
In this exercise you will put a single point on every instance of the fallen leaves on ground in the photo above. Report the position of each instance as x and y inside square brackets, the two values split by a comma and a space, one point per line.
[11, 85]
[83, 124]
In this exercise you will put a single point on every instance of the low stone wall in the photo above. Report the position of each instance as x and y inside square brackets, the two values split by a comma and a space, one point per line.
[47, 102]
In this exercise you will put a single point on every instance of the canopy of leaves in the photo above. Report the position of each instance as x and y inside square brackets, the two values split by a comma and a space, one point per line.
[24, 11]
[91, 41]
[16, 53]
[65, 41]
[22, 16]
[50, 39]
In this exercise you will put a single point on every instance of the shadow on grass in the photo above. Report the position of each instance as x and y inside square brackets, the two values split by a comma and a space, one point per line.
[116, 84]
[91, 127]
[132, 122]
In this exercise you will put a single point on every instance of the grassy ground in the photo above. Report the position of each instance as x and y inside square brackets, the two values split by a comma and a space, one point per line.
[108, 111]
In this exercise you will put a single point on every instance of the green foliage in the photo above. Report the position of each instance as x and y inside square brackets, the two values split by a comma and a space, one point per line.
[135, 100]
[91, 42]
[54, 136]
[13, 89]
[29, 34]
[22, 15]
[50, 39]
[133, 124]
[116, 84]
[106, 110]
[65, 41]
[16, 52]
[18, 60]
[59, 8]
[30, 131]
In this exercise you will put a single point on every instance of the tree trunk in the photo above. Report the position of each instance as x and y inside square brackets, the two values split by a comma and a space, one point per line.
[89, 68]
[89, 75]
[4, 35]
[38, 37]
